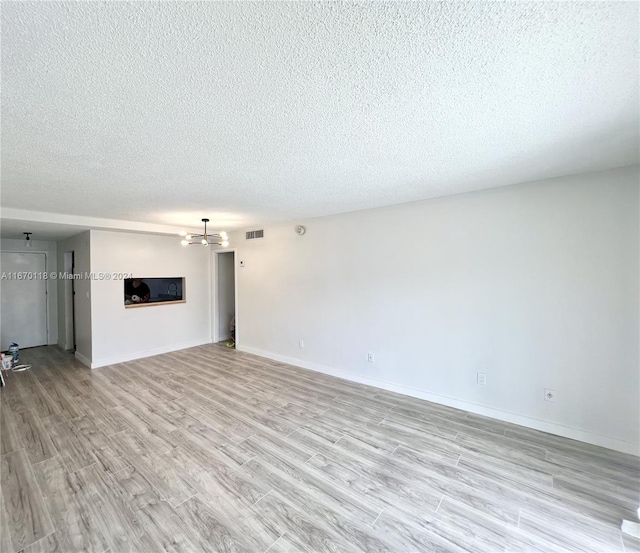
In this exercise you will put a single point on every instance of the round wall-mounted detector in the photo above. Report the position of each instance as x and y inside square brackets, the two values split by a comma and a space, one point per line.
[300, 230]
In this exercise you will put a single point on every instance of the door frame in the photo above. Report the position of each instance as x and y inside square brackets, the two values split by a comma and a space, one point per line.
[214, 295]
[68, 302]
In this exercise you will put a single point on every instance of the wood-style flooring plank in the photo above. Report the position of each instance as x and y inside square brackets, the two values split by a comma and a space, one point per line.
[76, 528]
[220, 532]
[9, 433]
[101, 446]
[165, 477]
[27, 518]
[39, 400]
[33, 436]
[272, 466]
[314, 534]
[407, 535]
[106, 418]
[288, 544]
[74, 449]
[108, 510]
[48, 544]
[165, 531]
[571, 532]
[219, 478]
[59, 395]
[5, 536]
[11, 396]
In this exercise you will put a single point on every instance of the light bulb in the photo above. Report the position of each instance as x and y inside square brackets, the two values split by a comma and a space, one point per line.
[224, 243]
[188, 236]
[184, 242]
[204, 242]
[183, 233]
[224, 235]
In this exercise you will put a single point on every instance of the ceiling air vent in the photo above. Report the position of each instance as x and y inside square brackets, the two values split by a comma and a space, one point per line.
[253, 234]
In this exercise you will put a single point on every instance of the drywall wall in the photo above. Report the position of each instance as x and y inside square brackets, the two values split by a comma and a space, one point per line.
[121, 334]
[535, 285]
[80, 245]
[49, 249]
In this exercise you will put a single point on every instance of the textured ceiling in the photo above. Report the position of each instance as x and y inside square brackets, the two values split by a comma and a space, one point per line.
[254, 112]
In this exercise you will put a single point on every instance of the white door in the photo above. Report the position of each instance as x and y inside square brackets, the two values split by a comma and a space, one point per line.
[24, 301]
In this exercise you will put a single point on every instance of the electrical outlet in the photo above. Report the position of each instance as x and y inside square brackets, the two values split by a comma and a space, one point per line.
[301, 344]
[549, 394]
[482, 379]
[370, 357]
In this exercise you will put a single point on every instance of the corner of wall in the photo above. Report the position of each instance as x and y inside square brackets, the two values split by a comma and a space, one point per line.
[83, 359]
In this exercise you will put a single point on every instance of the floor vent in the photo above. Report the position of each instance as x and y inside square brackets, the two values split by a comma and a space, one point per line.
[253, 234]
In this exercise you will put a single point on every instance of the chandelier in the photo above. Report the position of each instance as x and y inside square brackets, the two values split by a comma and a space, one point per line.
[220, 239]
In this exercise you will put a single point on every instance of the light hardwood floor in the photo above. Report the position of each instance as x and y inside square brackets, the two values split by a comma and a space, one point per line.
[210, 449]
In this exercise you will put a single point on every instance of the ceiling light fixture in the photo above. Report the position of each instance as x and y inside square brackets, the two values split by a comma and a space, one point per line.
[27, 239]
[220, 239]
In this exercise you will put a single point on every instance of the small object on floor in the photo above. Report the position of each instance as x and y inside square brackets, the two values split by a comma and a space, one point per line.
[20, 368]
[230, 344]
[7, 363]
[14, 351]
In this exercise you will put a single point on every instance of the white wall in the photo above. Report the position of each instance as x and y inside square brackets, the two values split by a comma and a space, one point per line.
[49, 249]
[80, 244]
[121, 334]
[535, 285]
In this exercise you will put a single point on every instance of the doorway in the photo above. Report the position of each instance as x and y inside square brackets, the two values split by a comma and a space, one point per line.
[69, 303]
[24, 299]
[224, 297]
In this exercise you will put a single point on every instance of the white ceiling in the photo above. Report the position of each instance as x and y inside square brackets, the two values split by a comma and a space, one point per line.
[251, 112]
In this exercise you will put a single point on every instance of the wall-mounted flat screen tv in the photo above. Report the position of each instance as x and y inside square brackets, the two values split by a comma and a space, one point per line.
[153, 291]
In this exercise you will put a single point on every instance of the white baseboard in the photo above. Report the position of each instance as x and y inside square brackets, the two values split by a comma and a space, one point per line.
[145, 353]
[631, 528]
[506, 416]
[83, 359]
